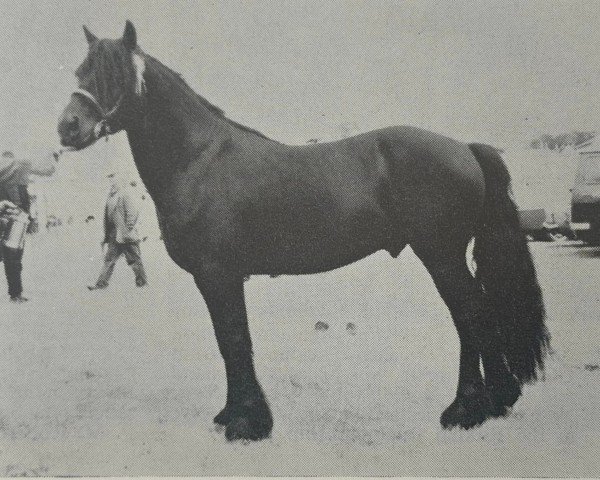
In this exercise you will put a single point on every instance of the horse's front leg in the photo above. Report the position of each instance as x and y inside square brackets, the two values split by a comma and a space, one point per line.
[246, 414]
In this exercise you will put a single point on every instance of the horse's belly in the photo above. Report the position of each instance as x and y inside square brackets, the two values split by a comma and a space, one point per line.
[306, 262]
[319, 249]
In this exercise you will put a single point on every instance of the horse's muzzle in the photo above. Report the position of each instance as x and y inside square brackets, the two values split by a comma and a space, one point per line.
[69, 130]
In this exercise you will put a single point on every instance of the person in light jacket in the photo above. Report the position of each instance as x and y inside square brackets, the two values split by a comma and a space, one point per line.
[121, 236]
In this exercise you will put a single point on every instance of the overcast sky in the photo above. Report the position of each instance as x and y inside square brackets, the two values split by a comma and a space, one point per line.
[499, 72]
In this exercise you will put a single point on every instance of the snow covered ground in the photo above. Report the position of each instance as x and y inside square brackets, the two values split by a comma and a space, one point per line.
[126, 381]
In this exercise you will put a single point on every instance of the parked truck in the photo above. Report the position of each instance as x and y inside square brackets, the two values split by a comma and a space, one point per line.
[541, 180]
[585, 195]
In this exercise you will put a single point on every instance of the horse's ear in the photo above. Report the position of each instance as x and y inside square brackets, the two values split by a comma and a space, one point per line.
[129, 36]
[89, 36]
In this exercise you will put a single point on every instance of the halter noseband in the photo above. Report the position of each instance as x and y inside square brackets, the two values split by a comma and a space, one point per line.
[102, 128]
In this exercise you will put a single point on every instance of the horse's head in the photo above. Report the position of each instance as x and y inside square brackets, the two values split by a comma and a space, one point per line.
[110, 83]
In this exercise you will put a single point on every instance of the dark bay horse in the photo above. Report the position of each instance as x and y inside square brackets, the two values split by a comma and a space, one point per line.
[231, 202]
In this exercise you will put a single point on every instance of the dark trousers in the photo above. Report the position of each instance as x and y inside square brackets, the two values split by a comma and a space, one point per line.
[133, 256]
[13, 265]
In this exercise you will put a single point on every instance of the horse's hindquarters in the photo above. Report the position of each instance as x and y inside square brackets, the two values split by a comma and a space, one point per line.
[436, 185]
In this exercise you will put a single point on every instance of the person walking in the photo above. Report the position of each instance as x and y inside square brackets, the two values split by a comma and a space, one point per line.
[121, 215]
[14, 176]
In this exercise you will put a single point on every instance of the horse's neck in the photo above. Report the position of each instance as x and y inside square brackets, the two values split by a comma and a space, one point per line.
[175, 128]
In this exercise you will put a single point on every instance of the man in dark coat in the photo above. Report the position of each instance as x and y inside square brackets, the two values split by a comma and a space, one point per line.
[14, 177]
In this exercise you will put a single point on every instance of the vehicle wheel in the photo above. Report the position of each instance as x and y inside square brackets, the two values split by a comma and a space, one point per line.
[591, 237]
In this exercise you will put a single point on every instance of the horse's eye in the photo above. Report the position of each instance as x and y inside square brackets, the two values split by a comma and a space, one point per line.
[84, 82]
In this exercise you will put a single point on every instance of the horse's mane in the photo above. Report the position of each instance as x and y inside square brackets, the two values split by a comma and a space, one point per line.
[179, 80]
[123, 73]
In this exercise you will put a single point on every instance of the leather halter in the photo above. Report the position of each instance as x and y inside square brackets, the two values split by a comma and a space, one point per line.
[102, 128]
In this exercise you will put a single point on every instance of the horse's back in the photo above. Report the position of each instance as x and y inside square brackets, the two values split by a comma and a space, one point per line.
[404, 152]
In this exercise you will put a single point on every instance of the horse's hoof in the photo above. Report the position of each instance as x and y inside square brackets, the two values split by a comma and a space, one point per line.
[248, 428]
[467, 411]
[223, 417]
[503, 396]
[248, 423]
[497, 411]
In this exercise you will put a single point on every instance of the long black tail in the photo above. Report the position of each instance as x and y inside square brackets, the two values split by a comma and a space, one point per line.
[506, 271]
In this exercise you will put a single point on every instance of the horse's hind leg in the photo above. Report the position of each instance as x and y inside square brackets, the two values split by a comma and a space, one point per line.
[464, 299]
[246, 414]
[503, 388]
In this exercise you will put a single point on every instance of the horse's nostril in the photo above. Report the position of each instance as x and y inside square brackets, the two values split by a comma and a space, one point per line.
[73, 125]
